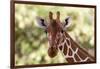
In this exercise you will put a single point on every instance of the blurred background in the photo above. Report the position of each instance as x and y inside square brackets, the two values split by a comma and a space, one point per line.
[31, 43]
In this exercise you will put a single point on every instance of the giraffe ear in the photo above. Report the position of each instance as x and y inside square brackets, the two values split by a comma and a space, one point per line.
[67, 22]
[41, 22]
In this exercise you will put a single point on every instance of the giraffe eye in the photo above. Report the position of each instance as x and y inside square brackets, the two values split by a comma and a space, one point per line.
[62, 31]
[45, 31]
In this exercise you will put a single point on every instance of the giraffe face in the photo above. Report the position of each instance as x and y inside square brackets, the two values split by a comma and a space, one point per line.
[52, 30]
[53, 27]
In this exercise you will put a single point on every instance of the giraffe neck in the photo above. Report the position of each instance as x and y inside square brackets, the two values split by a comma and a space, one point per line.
[70, 50]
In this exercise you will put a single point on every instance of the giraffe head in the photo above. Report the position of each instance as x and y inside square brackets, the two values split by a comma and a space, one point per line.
[52, 27]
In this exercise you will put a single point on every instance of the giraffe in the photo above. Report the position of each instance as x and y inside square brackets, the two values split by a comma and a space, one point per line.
[59, 40]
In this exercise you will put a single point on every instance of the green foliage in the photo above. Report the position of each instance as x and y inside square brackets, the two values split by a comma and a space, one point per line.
[31, 43]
